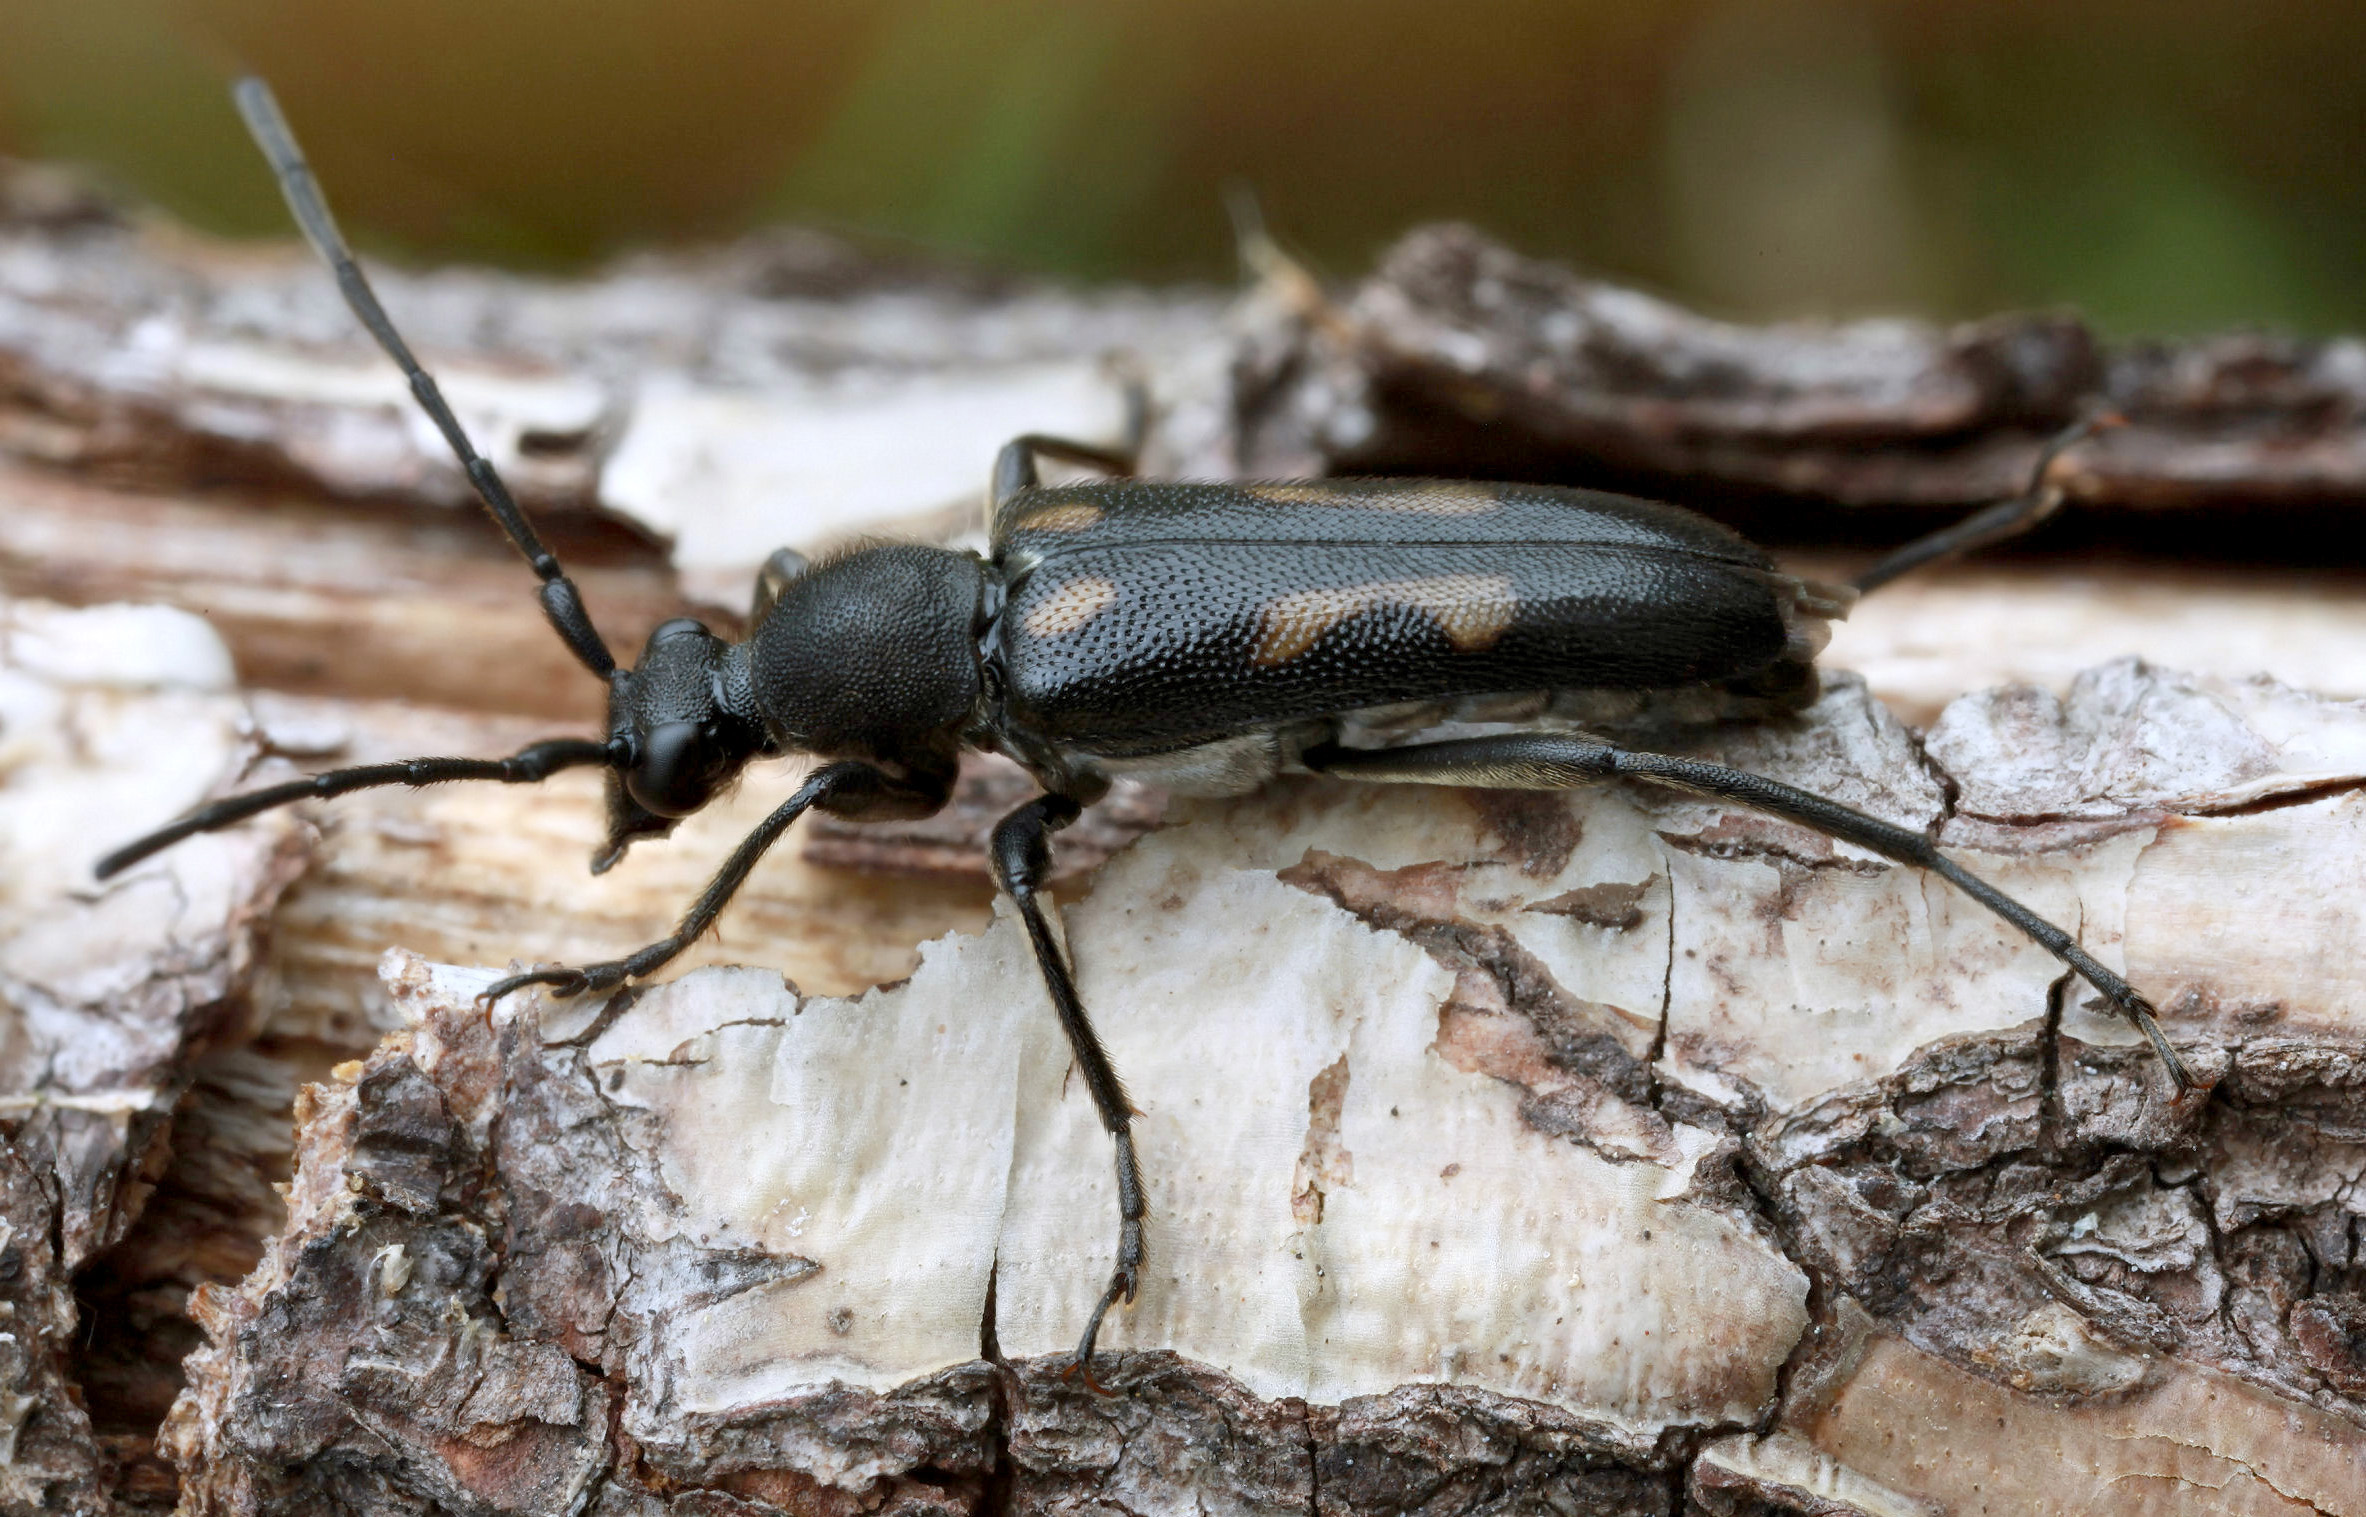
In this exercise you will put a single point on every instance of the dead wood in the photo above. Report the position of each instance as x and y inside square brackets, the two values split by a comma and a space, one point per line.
[1458, 350]
[114, 716]
[1600, 1153]
[1577, 1152]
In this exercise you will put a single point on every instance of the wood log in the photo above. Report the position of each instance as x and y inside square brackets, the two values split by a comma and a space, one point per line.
[1599, 1153]
[111, 717]
[1594, 1152]
[1458, 349]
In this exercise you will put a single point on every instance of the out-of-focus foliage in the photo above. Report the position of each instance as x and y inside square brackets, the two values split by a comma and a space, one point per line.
[2162, 164]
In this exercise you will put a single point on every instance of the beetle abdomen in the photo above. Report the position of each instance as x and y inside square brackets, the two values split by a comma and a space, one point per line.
[1143, 618]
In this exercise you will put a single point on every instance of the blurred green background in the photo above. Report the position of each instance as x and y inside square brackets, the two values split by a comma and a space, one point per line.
[2163, 165]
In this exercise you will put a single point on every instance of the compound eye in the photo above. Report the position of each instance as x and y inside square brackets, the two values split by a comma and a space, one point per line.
[673, 777]
[677, 626]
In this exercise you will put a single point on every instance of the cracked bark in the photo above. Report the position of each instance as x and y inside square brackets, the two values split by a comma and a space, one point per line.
[1599, 1153]
[1540, 1272]
[1457, 348]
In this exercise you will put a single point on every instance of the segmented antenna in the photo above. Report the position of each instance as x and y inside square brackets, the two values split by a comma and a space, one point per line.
[529, 766]
[560, 601]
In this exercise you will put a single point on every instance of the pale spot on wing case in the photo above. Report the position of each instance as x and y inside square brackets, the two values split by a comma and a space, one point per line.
[1071, 606]
[1419, 498]
[1473, 610]
[1069, 516]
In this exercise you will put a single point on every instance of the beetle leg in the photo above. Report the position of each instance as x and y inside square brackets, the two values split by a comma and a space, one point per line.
[843, 787]
[1552, 761]
[780, 570]
[1014, 466]
[1022, 860]
[2009, 518]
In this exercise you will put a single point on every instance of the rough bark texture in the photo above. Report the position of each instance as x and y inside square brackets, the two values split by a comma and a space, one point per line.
[108, 999]
[1459, 348]
[1543, 1150]
[1595, 1153]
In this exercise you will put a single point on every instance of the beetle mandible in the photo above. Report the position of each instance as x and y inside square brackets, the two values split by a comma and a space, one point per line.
[1206, 636]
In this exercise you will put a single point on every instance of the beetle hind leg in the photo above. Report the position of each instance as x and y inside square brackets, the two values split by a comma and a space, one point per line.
[1552, 761]
[1126, 1277]
[2005, 519]
[1022, 861]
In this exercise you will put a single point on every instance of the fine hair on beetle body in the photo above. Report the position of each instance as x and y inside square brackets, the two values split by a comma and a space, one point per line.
[1207, 636]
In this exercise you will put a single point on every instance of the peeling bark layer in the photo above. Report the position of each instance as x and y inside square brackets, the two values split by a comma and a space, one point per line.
[1459, 349]
[792, 390]
[787, 389]
[107, 995]
[1603, 1152]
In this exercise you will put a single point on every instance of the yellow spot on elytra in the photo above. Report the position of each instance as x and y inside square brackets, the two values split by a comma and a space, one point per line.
[1473, 610]
[1070, 516]
[1430, 498]
[1290, 494]
[1070, 606]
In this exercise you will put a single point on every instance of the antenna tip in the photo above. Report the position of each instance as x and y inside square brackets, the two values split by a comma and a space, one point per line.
[259, 108]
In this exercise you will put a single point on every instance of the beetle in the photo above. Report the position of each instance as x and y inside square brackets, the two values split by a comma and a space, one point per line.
[1205, 636]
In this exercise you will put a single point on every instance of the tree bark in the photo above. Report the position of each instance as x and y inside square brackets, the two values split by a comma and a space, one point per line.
[1607, 1152]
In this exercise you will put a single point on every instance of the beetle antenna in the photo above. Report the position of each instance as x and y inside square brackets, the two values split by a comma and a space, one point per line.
[1251, 242]
[1269, 267]
[560, 601]
[528, 766]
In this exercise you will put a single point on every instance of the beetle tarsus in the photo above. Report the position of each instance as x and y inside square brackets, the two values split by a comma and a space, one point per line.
[1081, 1368]
[1126, 1278]
[2005, 519]
[1123, 1281]
[564, 982]
[2138, 1010]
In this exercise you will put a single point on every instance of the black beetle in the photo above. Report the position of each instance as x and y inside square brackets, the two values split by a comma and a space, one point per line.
[1209, 636]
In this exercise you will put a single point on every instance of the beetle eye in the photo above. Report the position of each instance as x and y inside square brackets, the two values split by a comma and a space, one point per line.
[673, 777]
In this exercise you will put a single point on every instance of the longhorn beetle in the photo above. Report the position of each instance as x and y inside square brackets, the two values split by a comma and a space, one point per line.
[1207, 636]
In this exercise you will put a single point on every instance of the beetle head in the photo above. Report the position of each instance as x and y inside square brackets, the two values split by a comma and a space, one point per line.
[679, 732]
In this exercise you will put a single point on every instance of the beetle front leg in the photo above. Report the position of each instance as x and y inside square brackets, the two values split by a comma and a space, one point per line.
[844, 788]
[1022, 861]
[1551, 761]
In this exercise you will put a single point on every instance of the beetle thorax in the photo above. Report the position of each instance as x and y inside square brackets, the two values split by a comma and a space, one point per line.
[873, 655]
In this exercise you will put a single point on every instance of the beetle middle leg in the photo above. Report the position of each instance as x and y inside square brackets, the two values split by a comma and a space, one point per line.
[1554, 761]
[1022, 861]
[1015, 465]
[848, 788]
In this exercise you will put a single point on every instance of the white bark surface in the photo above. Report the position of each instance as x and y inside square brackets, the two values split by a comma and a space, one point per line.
[110, 717]
[1741, 1160]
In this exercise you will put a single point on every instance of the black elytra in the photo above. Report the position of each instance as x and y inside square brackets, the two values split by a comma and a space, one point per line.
[1207, 636]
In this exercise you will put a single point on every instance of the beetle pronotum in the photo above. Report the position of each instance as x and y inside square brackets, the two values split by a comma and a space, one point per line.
[1206, 635]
